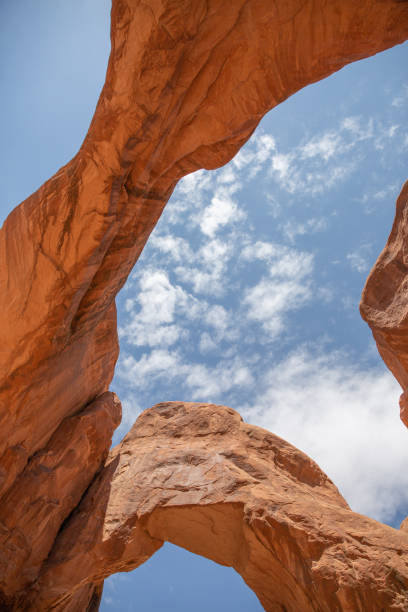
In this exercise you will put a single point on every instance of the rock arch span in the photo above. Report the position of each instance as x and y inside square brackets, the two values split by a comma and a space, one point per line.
[187, 83]
[196, 475]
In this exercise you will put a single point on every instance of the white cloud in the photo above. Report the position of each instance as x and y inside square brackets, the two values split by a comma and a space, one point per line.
[328, 158]
[391, 191]
[222, 327]
[287, 286]
[295, 176]
[357, 129]
[151, 314]
[269, 300]
[274, 208]
[392, 130]
[283, 261]
[324, 146]
[196, 189]
[291, 264]
[265, 144]
[159, 363]
[292, 229]
[176, 247]
[206, 343]
[188, 196]
[227, 175]
[206, 272]
[384, 134]
[217, 317]
[243, 158]
[210, 383]
[387, 192]
[400, 100]
[255, 154]
[220, 212]
[260, 250]
[281, 163]
[203, 382]
[192, 185]
[346, 419]
[359, 259]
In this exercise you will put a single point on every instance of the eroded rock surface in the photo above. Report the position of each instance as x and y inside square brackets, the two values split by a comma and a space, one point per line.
[49, 489]
[187, 83]
[384, 303]
[198, 476]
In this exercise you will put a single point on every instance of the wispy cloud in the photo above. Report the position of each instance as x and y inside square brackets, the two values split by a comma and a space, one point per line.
[344, 417]
[269, 300]
[292, 229]
[328, 158]
[401, 99]
[174, 247]
[360, 258]
[151, 314]
[357, 129]
[254, 157]
[286, 287]
[324, 146]
[372, 198]
[203, 382]
[206, 272]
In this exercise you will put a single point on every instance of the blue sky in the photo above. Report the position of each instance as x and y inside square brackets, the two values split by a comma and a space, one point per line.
[247, 292]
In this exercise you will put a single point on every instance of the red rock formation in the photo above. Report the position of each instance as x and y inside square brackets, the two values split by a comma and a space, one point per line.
[384, 303]
[49, 489]
[187, 83]
[198, 476]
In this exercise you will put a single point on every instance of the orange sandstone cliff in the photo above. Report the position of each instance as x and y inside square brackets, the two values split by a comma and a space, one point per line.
[186, 85]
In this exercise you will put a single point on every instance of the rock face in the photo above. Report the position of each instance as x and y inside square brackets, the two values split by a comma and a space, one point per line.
[49, 489]
[198, 476]
[384, 303]
[187, 83]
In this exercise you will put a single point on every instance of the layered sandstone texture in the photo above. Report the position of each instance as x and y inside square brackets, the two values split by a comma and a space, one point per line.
[198, 476]
[186, 85]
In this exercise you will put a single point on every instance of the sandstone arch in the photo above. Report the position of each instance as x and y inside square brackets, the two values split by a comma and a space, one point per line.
[196, 475]
[159, 117]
